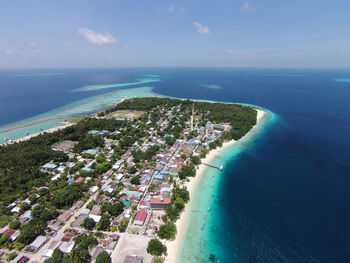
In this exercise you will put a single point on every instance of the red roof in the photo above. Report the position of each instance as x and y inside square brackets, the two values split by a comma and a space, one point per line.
[24, 259]
[141, 215]
[67, 237]
[98, 181]
[78, 180]
[9, 232]
[159, 201]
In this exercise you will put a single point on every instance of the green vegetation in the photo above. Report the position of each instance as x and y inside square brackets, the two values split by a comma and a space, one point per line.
[156, 248]
[188, 170]
[103, 257]
[15, 224]
[135, 180]
[21, 162]
[103, 224]
[180, 197]
[167, 231]
[88, 223]
[123, 225]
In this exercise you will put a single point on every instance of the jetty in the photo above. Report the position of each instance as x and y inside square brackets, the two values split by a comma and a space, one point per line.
[214, 166]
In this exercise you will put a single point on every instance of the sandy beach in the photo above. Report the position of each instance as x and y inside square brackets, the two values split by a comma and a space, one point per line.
[181, 224]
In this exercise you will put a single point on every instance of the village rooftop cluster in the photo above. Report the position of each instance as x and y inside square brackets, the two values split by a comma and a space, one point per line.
[126, 188]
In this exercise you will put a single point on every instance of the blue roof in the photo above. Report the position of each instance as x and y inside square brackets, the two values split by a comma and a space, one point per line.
[93, 132]
[70, 180]
[148, 178]
[87, 169]
[92, 151]
[164, 172]
[50, 166]
[28, 215]
[158, 176]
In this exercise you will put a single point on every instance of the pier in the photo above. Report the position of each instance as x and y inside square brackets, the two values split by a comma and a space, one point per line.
[214, 166]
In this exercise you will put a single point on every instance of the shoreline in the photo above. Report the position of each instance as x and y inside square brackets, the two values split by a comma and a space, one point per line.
[65, 124]
[174, 246]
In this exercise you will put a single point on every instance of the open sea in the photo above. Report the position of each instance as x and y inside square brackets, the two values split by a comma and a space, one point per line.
[284, 193]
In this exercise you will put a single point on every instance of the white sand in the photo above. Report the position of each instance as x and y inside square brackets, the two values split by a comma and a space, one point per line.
[181, 224]
[65, 125]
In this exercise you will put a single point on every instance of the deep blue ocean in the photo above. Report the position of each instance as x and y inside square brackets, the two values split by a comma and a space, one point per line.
[286, 198]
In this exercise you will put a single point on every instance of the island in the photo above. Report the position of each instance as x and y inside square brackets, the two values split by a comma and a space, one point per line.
[113, 186]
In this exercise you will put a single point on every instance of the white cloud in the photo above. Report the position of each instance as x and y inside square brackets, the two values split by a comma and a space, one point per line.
[171, 8]
[95, 38]
[229, 51]
[201, 29]
[248, 7]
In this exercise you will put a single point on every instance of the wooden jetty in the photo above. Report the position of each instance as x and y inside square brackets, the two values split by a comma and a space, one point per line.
[214, 166]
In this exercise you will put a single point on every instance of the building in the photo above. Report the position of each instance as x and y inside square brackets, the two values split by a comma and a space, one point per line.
[65, 216]
[12, 234]
[140, 217]
[67, 247]
[160, 203]
[20, 259]
[93, 189]
[78, 180]
[37, 243]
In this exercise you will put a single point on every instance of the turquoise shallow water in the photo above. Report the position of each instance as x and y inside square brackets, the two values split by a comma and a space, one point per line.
[27, 130]
[210, 86]
[79, 108]
[205, 223]
[282, 75]
[118, 85]
[342, 80]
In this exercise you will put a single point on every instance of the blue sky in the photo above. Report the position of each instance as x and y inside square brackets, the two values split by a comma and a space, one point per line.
[124, 33]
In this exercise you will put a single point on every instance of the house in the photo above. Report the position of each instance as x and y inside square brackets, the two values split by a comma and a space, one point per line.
[49, 166]
[12, 234]
[107, 174]
[79, 204]
[96, 210]
[96, 218]
[92, 152]
[79, 221]
[65, 216]
[37, 243]
[20, 259]
[93, 132]
[140, 217]
[67, 247]
[67, 237]
[78, 180]
[47, 253]
[160, 203]
[93, 189]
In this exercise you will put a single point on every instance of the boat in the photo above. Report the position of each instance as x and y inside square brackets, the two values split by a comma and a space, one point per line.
[209, 208]
[202, 228]
[204, 217]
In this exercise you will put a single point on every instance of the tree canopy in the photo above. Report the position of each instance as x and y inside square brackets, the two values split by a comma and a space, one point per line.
[156, 248]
